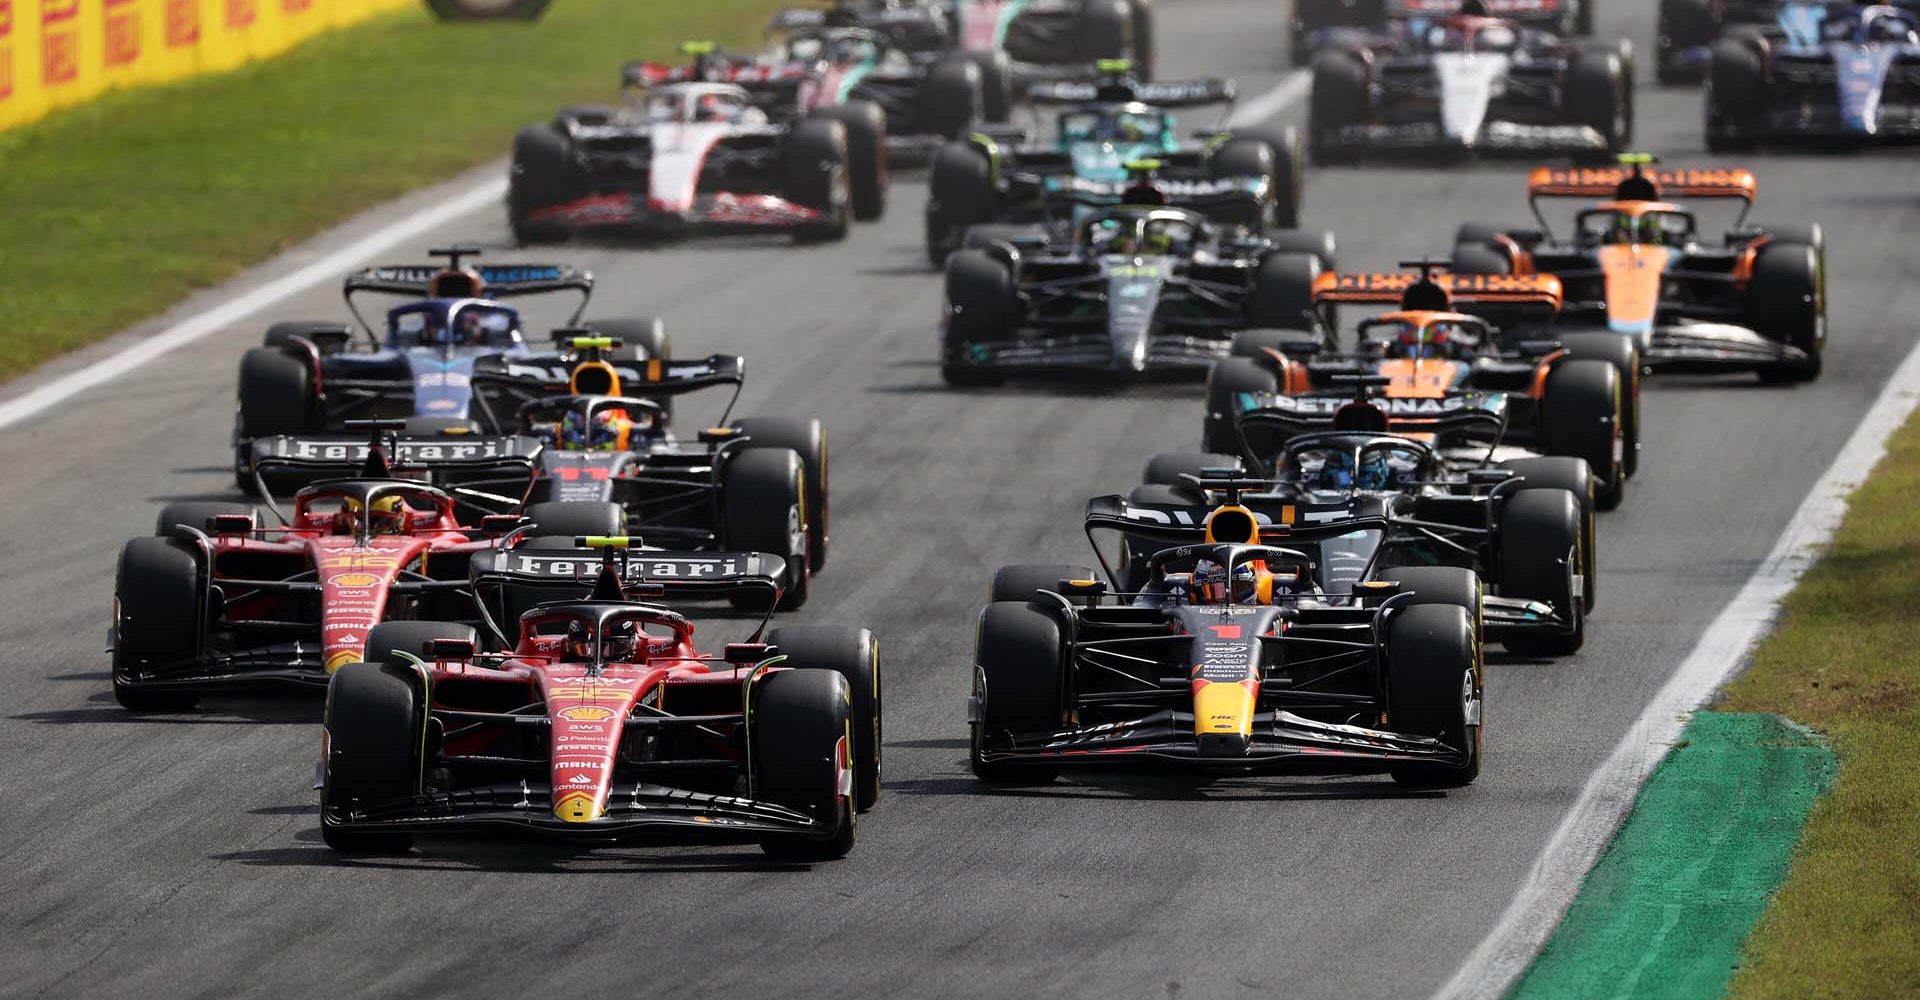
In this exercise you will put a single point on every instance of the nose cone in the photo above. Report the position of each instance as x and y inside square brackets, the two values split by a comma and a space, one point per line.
[1468, 83]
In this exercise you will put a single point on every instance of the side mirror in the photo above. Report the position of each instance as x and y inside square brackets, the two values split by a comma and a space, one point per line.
[1375, 590]
[746, 654]
[500, 524]
[1488, 477]
[441, 650]
[230, 524]
[717, 435]
[1082, 588]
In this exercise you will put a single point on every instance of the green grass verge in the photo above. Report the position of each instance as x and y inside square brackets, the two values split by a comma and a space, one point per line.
[120, 207]
[1845, 660]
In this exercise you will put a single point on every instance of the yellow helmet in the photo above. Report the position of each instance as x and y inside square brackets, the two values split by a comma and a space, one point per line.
[388, 517]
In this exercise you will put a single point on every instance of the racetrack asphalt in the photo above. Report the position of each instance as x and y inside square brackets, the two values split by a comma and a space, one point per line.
[180, 856]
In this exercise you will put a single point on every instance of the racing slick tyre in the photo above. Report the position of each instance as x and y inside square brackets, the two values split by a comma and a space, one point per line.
[1624, 355]
[952, 97]
[1583, 21]
[1104, 30]
[1811, 234]
[1683, 25]
[642, 337]
[1582, 412]
[1274, 155]
[1255, 344]
[1538, 554]
[542, 176]
[1478, 258]
[375, 729]
[1282, 295]
[196, 513]
[388, 639]
[1339, 99]
[1245, 158]
[487, 10]
[982, 308]
[1170, 468]
[1318, 242]
[1450, 586]
[1560, 472]
[1016, 687]
[1736, 94]
[280, 334]
[801, 727]
[1433, 690]
[816, 163]
[276, 393]
[996, 85]
[1596, 95]
[1143, 54]
[763, 500]
[1229, 378]
[157, 620]
[809, 440]
[1785, 304]
[573, 518]
[866, 127]
[960, 193]
[854, 654]
[1024, 582]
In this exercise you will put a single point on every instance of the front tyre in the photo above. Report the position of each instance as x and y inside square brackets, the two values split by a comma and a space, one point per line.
[802, 740]
[375, 732]
[1434, 690]
[1016, 688]
[854, 654]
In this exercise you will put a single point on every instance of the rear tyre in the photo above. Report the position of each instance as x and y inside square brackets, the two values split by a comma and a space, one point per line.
[1169, 468]
[280, 334]
[1786, 305]
[960, 193]
[817, 177]
[952, 97]
[276, 394]
[1283, 291]
[374, 735]
[1624, 355]
[543, 175]
[802, 739]
[157, 620]
[1284, 172]
[644, 337]
[996, 85]
[1104, 31]
[1016, 687]
[866, 127]
[1736, 95]
[982, 309]
[807, 439]
[573, 518]
[1684, 24]
[1595, 96]
[764, 506]
[1023, 582]
[1478, 258]
[1245, 158]
[854, 654]
[387, 639]
[1433, 690]
[1228, 379]
[1582, 412]
[1339, 99]
[1538, 553]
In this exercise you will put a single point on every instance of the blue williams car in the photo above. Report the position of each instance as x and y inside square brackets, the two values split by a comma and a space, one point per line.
[447, 362]
[1828, 72]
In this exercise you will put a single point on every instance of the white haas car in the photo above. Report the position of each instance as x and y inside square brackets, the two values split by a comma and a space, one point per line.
[679, 157]
[1468, 83]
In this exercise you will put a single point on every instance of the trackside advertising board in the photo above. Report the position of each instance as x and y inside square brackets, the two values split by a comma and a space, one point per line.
[55, 53]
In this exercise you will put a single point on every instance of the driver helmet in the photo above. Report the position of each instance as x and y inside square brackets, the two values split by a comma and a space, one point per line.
[1157, 241]
[387, 516]
[1630, 228]
[1335, 473]
[607, 430]
[1375, 473]
[708, 108]
[1125, 129]
[618, 645]
[1249, 583]
[1422, 343]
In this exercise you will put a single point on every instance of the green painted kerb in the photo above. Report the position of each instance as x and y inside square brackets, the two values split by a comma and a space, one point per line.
[1664, 914]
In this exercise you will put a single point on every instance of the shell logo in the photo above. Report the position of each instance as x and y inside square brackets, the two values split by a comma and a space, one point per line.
[586, 713]
[355, 580]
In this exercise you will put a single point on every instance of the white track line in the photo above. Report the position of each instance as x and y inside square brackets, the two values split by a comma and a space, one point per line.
[1542, 900]
[1261, 108]
[330, 267]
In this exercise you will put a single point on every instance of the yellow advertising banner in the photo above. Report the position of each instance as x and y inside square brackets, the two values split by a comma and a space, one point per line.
[55, 53]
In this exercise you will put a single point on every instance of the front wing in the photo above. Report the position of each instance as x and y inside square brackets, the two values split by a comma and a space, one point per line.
[1281, 743]
[638, 813]
[718, 209]
[1493, 138]
[1166, 355]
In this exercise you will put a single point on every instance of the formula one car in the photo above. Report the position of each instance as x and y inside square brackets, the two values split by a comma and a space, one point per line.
[1443, 373]
[1688, 28]
[1469, 83]
[1832, 73]
[1243, 177]
[756, 483]
[604, 723]
[1011, 42]
[690, 156]
[1637, 266]
[1136, 290]
[1225, 658]
[454, 337]
[1318, 24]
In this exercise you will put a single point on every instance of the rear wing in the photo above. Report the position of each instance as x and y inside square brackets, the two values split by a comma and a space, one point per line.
[1266, 421]
[1280, 521]
[1164, 94]
[487, 474]
[511, 580]
[503, 281]
[1517, 10]
[1386, 288]
[1601, 182]
[673, 376]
